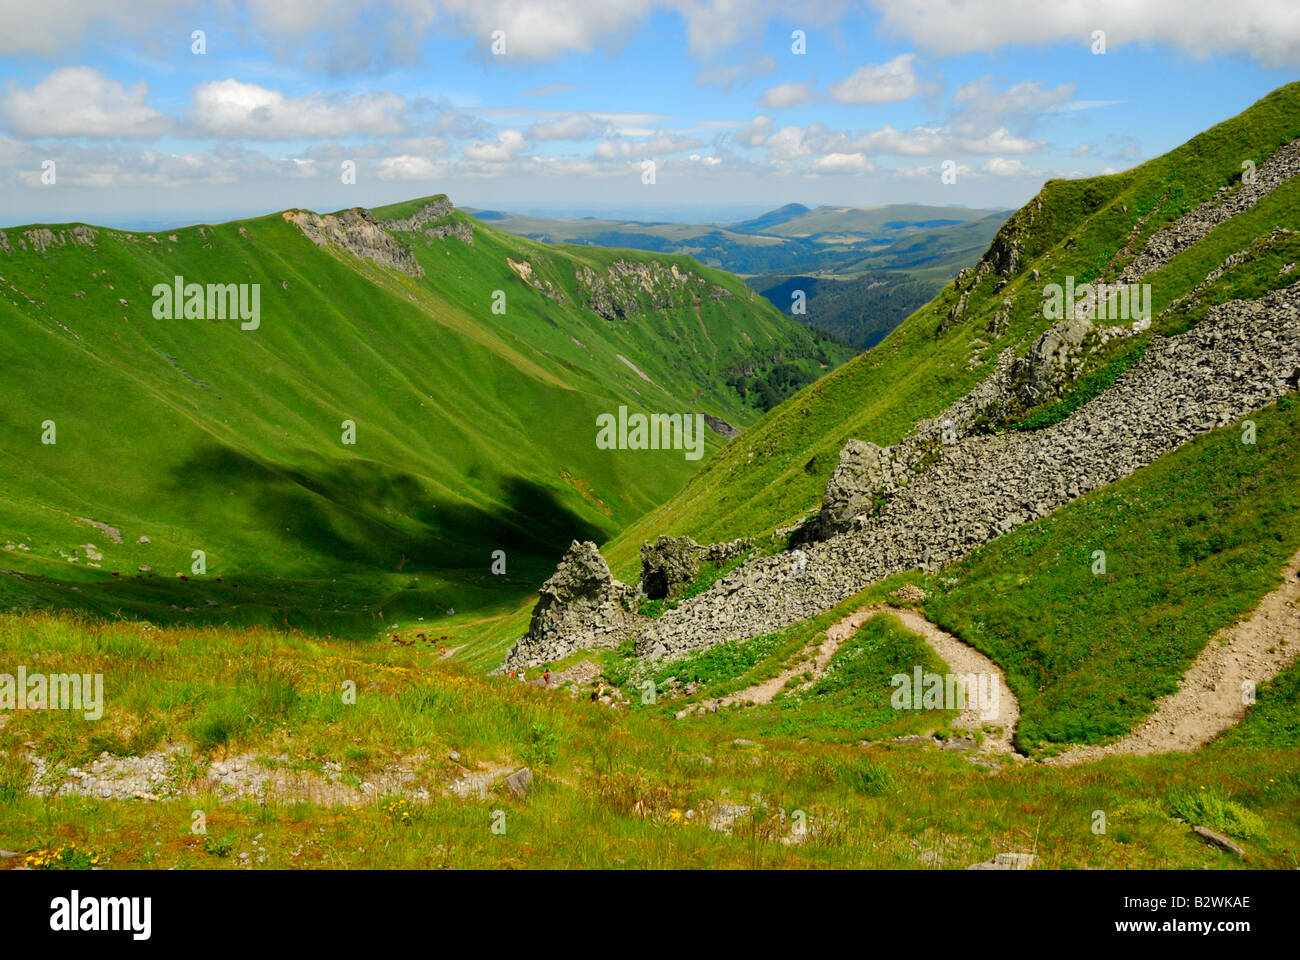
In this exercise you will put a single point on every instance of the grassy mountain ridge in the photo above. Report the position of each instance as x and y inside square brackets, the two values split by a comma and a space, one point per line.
[474, 430]
[776, 472]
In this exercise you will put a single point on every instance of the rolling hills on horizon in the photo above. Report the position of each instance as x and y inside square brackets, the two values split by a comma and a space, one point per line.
[861, 269]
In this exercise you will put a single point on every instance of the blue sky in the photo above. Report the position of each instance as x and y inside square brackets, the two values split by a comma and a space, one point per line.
[141, 129]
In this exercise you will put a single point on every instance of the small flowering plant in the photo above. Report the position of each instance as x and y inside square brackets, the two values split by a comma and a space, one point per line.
[68, 857]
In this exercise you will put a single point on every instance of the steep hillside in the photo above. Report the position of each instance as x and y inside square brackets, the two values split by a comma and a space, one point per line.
[1086, 229]
[474, 427]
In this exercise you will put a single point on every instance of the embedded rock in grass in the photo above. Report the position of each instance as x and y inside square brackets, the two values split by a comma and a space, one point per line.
[720, 427]
[1216, 839]
[1006, 861]
[519, 783]
[865, 472]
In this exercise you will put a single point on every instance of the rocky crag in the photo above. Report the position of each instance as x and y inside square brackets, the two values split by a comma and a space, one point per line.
[433, 221]
[629, 287]
[358, 232]
[953, 484]
[582, 606]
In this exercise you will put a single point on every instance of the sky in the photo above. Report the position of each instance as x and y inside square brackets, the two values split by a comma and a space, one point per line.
[159, 113]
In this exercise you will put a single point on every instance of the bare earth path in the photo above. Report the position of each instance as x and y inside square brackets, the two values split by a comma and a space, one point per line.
[1209, 697]
[961, 659]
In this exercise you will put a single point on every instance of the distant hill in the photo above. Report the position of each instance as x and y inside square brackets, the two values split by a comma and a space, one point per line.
[474, 427]
[862, 269]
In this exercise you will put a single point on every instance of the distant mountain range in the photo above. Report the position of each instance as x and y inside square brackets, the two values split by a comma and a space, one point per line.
[861, 269]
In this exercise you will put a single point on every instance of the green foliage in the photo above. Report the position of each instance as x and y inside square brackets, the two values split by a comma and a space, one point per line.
[1207, 808]
[543, 746]
[852, 699]
[219, 846]
[869, 779]
[725, 661]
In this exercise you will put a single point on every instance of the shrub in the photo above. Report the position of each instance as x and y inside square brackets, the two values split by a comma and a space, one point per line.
[1206, 808]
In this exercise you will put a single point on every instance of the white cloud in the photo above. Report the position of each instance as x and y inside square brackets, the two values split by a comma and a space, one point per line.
[543, 29]
[1268, 30]
[979, 98]
[573, 126]
[886, 83]
[47, 26]
[788, 143]
[786, 95]
[621, 149]
[754, 133]
[508, 144]
[842, 163]
[1002, 167]
[82, 102]
[407, 167]
[942, 141]
[229, 108]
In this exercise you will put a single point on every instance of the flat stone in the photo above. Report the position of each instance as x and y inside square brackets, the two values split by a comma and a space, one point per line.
[519, 783]
[1006, 861]
[1216, 839]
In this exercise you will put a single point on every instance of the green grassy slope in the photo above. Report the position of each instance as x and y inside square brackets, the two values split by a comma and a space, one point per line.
[778, 470]
[475, 431]
[612, 788]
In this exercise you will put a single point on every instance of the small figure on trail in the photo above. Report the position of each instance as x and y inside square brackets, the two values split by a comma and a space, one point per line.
[547, 677]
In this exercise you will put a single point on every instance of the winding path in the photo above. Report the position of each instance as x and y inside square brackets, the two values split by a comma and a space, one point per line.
[961, 659]
[1210, 698]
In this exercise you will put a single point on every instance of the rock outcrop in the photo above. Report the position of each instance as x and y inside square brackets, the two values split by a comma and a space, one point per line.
[720, 427]
[581, 606]
[630, 287]
[667, 565]
[358, 232]
[42, 238]
[434, 221]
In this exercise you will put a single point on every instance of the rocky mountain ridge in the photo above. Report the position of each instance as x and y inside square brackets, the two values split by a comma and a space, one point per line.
[954, 483]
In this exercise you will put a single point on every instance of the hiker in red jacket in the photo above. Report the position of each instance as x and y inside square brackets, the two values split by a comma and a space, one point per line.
[547, 677]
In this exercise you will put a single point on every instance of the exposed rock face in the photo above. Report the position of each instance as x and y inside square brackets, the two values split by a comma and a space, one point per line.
[581, 606]
[667, 565]
[1242, 356]
[435, 210]
[629, 287]
[530, 276]
[42, 238]
[359, 233]
[865, 473]
[720, 427]
[434, 221]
